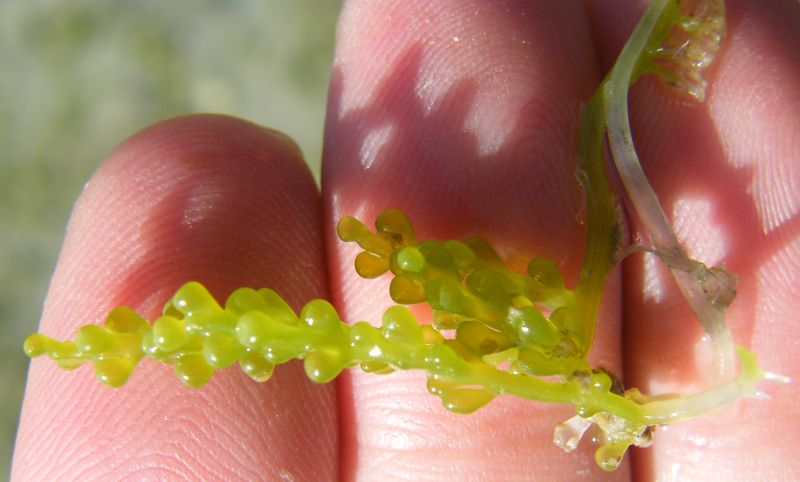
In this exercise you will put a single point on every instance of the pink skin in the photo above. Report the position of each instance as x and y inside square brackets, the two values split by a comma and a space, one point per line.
[464, 115]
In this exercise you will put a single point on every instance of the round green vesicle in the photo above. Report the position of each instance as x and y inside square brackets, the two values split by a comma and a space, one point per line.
[194, 297]
[276, 307]
[251, 330]
[399, 326]
[243, 300]
[320, 315]
[169, 333]
[193, 370]
[93, 340]
[531, 326]
[325, 363]
[114, 372]
[124, 320]
[410, 259]
[465, 400]
[221, 349]
[37, 345]
[256, 366]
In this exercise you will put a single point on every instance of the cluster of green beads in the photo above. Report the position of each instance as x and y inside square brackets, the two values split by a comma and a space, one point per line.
[492, 313]
[490, 336]
[114, 349]
[491, 308]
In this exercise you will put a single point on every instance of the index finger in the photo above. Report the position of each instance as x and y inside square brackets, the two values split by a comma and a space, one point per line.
[207, 198]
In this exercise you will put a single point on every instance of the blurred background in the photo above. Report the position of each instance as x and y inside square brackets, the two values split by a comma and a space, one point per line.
[79, 76]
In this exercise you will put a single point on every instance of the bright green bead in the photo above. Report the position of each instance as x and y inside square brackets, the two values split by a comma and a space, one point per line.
[169, 333]
[399, 326]
[465, 400]
[531, 326]
[276, 307]
[278, 354]
[193, 370]
[325, 363]
[442, 359]
[124, 320]
[65, 355]
[437, 386]
[93, 339]
[256, 366]
[221, 349]
[601, 381]
[114, 372]
[273, 339]
[365, 338]
[149, 347]
[252, 331]
[38, 345]
[243, 300]
[320, 315]
[194, 297]
[410, 259]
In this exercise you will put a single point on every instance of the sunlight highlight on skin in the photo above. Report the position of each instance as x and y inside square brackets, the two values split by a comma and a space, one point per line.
[373, 144]
[761, 130]
[200, 204]
[653, 279]
[696, 228]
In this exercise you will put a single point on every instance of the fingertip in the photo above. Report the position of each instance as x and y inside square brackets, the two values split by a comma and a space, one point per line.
[203, 197]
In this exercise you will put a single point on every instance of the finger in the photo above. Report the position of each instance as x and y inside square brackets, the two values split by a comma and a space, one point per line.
[464, 114]
[727, 174]
[207, 198]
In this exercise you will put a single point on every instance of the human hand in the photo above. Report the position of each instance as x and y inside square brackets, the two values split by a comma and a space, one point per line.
[466, 121]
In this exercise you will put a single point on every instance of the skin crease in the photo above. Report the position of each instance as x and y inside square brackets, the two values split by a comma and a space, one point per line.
[464, 115]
